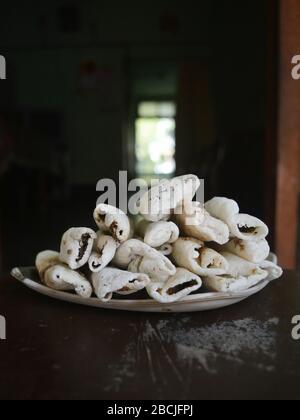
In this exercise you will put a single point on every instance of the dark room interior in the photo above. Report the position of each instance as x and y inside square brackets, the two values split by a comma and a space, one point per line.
[77, 73]
[159, 89]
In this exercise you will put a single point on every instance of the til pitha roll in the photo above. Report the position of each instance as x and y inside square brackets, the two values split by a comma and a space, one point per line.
[241, 275]
[156, 234]
[113, 221]
[193, 255]
[166, 249]
[176, 287]
[104, 252]
[158, 203]
[76, 247]
[61, 277]
[241, 226]
[132, 250]
[196, 222]
[56, 275]
[254, 251]
[158, 269]
[45, 260]
[274, 271]
[113, 280]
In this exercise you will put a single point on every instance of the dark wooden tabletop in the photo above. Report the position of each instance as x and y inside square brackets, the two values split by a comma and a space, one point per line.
[56, 350]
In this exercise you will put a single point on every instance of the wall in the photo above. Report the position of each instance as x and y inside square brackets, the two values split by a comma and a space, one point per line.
[123, 37]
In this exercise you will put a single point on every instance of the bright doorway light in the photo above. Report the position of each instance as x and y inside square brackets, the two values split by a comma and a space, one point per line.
[155, 138]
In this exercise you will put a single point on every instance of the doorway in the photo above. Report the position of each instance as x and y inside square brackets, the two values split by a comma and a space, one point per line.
[155, 143]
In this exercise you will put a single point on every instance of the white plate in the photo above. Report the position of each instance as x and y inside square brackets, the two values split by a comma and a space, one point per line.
[193, 303]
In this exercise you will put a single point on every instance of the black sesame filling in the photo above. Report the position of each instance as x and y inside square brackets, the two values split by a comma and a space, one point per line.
[83, 246]
[180, 287]
[246, 229]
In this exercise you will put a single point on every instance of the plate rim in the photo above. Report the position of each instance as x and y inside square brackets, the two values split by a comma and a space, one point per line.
[200, 297]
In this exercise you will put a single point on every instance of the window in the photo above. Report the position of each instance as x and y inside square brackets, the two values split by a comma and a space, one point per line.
[155, 138]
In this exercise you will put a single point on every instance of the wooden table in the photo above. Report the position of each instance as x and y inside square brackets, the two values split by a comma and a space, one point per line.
[56, 350]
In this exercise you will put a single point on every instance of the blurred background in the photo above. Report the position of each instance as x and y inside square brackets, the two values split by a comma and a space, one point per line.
[156, 88]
